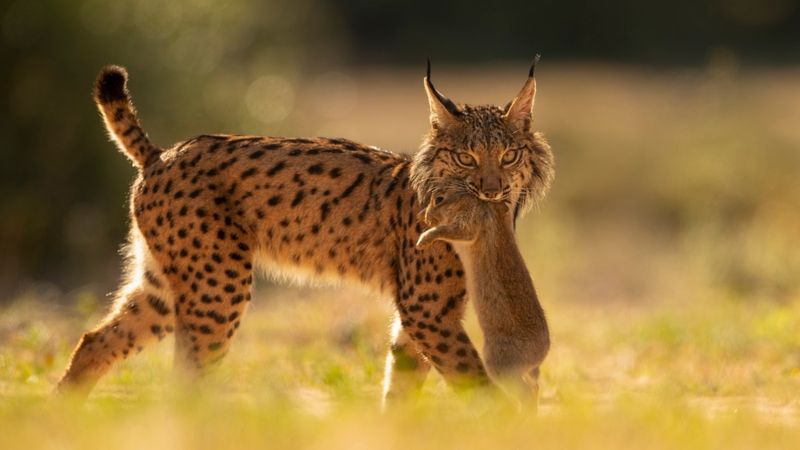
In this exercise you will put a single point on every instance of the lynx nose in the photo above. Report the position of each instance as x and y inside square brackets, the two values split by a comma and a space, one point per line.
[491, 190]
[491, 194]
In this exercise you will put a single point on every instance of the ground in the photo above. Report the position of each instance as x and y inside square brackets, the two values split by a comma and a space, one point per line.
[703, 374]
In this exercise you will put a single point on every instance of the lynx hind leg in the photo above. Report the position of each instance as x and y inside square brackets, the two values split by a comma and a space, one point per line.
[211, 301]
[406, 368]
[142, 313]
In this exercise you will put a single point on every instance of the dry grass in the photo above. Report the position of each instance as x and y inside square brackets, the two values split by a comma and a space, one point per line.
[307, 366]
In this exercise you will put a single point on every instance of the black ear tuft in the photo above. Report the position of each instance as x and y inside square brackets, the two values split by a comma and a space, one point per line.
[444, 101]
[110, 85]
[533, 66]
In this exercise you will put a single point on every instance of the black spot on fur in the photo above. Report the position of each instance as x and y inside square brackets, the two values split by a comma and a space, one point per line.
[325, 209]
[280, 165]
[363, 158]
[298, 198]
[248, 173]
[158, 305]
[353, 186]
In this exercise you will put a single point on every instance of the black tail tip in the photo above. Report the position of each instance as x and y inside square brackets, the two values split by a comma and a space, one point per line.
[110, 84]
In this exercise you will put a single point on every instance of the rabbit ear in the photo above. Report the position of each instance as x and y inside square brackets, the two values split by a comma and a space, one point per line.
[443, 110]
[519, 112]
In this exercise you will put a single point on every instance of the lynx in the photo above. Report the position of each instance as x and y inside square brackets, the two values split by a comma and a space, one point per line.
[207, 212]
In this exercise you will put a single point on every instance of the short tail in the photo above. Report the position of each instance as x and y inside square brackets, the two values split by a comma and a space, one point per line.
[114, 102]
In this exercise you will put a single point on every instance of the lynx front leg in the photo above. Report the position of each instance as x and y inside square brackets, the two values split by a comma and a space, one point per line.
[430, 304]
[442, 340]
[406, 368]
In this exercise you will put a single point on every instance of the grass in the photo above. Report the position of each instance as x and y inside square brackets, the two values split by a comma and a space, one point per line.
[665, 259]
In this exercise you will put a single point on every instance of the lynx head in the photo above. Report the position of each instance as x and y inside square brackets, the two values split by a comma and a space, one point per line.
[488, 151]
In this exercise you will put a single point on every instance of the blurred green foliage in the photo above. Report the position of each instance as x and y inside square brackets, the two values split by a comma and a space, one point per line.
[653, 32]
[62, 187]
[685, 169]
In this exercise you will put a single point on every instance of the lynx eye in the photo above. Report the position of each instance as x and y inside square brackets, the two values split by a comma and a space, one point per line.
[510, 157]
[466, 160]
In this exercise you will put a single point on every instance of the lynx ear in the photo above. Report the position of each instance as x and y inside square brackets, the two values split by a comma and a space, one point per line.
[443, 111]
[519, 112]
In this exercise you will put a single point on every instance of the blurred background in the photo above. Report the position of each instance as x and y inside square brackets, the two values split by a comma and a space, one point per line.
[675, 124]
